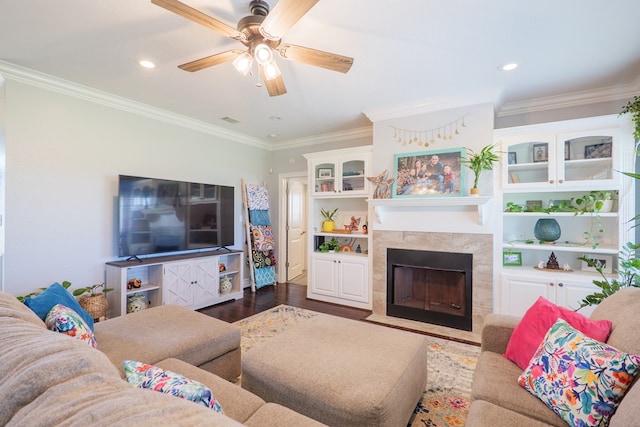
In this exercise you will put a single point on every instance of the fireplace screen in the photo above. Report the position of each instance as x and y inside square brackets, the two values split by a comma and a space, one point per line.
[431, 287]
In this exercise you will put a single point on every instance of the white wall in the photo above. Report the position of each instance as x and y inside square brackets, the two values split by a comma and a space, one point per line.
[63, 158]
[477, 133]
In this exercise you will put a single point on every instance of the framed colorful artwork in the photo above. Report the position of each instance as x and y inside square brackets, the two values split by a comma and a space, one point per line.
[429, 173]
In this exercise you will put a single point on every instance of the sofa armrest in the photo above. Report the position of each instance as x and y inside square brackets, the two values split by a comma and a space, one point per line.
[497, 332]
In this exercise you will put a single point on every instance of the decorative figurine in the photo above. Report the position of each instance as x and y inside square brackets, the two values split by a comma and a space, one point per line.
[552, 264]
[383, 185]
[134, 283]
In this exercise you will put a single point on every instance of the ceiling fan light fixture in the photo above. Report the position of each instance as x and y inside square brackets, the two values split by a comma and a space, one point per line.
[243, 63]
[271, 70]
[263, 54]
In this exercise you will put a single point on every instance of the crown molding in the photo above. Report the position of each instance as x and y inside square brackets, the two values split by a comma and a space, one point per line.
[434, 105]
[45, 81]
[363, 132]
[573, 99]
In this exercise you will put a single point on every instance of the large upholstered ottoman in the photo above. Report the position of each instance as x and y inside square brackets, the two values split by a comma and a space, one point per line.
[341, 372]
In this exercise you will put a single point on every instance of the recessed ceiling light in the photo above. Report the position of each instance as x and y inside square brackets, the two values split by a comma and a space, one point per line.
[508, 67]
[146, 64]
[276, 118]
[273, 135]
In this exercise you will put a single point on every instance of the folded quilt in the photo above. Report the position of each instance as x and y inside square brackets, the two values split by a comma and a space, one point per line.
[257, 198]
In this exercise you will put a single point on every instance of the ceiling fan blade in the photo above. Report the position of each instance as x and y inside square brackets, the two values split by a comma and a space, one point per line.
[283, 16]
[275, 86]
[319, 58]
[200, 18]
[210, 61]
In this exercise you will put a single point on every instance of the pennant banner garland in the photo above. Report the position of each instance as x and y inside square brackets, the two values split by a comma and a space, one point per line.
[429, 136]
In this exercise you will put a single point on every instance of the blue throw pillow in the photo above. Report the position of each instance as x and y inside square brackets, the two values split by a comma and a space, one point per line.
[42, 304]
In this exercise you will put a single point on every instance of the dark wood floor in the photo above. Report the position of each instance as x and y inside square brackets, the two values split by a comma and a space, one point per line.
[272, 296]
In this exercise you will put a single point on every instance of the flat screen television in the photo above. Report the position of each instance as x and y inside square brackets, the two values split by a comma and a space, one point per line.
[160, 215]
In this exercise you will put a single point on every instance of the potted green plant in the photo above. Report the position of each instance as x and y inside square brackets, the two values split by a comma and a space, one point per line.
[329, 246]
[594, 202]
[628, 274]
[478, 162]
[328, 225]
[21, 298]
[628, 271]
[93, 299]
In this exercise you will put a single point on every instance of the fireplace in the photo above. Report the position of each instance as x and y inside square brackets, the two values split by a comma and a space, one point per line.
[431, 287]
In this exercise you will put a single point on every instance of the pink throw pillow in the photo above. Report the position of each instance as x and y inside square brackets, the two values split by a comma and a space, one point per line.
[537, 321]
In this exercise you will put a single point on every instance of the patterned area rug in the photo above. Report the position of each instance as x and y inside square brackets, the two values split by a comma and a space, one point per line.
[450, 366]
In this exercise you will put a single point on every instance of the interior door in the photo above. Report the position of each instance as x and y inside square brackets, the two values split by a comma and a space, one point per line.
[296, 225]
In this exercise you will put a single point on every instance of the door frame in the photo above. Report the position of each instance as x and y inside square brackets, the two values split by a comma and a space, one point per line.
[283, 180]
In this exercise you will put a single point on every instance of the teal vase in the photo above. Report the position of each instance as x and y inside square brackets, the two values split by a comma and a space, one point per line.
[547, 230]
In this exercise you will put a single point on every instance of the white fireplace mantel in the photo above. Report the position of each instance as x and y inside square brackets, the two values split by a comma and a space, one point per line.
[380, 205]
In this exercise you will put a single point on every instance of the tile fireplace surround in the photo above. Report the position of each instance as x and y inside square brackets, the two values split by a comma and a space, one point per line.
[479, 245]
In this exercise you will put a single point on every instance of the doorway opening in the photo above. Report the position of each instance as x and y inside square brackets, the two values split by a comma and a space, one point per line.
[293, 228]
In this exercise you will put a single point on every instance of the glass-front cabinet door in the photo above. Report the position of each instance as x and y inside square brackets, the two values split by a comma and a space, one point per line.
[341, 177]
[577, 160]
[353, 179]
[529, 162]
[587, 157]
[325, 178]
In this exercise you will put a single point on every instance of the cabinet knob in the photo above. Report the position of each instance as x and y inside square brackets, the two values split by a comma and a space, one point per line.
[560, 284]
[551, 181]
[561, 181]
[550, 283]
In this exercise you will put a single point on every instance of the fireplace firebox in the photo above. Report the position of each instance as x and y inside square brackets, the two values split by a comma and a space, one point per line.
[430, 287]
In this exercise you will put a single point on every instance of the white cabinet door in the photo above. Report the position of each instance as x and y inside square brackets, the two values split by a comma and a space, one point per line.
[205, 282]
[569, 293]
[353, 279]
[177, 286]
[324, 276]
[519, 293]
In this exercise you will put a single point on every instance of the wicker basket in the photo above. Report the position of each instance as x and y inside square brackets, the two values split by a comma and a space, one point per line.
[95, 305]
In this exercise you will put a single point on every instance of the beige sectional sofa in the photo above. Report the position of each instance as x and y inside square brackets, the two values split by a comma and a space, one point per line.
[500, 401]
[49, 378]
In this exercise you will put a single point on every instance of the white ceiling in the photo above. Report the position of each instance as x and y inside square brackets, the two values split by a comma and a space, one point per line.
[407, 52]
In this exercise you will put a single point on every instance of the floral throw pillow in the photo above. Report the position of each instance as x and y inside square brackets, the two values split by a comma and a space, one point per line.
[580, 379]
[66, 321]
[154, 378]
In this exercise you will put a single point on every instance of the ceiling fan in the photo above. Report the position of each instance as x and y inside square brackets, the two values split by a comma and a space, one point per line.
[261, 32]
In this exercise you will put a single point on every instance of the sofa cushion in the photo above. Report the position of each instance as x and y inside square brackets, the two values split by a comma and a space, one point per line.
[622, 309]
[98, 401]
[483, 414]
[535, 323]
[581, 379]
[495, 380]
[11, 307]
[151, 377]
[33, 360]
[66, 321]
[274, 415]
[237, 402]
[42, 303]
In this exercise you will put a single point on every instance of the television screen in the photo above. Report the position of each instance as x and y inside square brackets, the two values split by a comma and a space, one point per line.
[159, 215]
